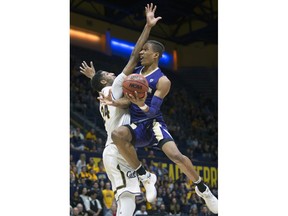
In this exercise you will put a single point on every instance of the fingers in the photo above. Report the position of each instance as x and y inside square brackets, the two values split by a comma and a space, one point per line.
[85, 64]
[91, 63]
[136, 95]
[154, 9]
[130, 97]
[158, 18]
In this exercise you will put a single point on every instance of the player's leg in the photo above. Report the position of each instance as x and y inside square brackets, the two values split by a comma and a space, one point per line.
[166, 142]
[186, 166]
[184, 163]
[122, 137]
[126, 204]
[125, 183]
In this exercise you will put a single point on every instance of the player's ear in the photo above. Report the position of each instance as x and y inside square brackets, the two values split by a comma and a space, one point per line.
[104, 82]
[156, 55]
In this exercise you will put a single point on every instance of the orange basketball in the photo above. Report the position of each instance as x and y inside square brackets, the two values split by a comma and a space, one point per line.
[135, 82]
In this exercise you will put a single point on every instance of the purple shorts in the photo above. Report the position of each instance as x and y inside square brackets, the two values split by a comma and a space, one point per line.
[150, 132]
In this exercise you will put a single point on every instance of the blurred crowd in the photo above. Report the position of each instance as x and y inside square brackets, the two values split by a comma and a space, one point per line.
[91, 193]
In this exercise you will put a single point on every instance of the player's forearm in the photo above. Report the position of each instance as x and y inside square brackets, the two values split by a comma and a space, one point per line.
[154, 107]
[121, 103]
[141, 40]
[134, 57]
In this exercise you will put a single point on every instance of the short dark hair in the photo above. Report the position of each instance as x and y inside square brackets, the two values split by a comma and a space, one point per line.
[92, 192]
[96, 81]
[157, 47]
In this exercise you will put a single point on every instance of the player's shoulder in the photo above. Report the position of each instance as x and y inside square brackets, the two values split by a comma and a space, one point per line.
[164, 80]
[106, 90]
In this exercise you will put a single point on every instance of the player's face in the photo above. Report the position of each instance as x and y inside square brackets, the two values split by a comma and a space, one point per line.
[147, 55]
[108, 76]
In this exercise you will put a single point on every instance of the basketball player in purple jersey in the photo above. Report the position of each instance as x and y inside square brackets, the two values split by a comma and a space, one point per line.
[148, 126]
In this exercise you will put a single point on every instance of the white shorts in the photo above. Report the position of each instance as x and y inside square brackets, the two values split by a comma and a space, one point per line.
[123, 178]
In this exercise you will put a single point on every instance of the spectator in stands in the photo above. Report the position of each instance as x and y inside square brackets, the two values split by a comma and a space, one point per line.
[81, 210]
[77, 145]
[140, 200]
[159, 199]
[81, 163]
[90, 135]
[78, 134]
[73, 182]
[82, 183]
[204, 211]
[145, 164]
[161, 171]
[84, 173]
[153, 210]
[108, 198]
[84, 198]
[92, 175]
[184, 205]
[96, 188]
[162, 210]
[141, 211]
[94, 208]
[75, 199]
[101, 174]
[174, 207]
[193, 210]
[114, 209]
[151, 154]
[99, 144]
[196, 200]
[171, 184]
[75, 211]
[92, 165]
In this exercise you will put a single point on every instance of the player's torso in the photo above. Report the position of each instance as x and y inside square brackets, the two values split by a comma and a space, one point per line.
[113, 117]
[152, 79]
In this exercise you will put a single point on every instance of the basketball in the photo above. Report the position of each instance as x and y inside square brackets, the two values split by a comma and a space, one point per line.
[135, 82]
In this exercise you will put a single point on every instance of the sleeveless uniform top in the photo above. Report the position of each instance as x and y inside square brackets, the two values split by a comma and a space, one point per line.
[152, 79]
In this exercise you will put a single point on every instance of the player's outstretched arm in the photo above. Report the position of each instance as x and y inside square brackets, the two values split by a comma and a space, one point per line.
[86, 70]
[132, 63]
[151, 21]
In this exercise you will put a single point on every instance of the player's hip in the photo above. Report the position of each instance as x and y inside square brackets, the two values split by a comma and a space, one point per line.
[149, 133]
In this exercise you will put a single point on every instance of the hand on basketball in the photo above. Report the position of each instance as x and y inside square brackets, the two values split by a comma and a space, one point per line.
[135, 98]
[106, 100]
[86, 70]
[150, 11]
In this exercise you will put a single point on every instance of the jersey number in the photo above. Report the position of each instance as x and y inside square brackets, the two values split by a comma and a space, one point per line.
[105, 111]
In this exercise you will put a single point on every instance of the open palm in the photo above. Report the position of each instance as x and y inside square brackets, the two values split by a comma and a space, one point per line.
[150, 15]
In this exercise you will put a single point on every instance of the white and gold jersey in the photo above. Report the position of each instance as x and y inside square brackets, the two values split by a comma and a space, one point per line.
[113, 117]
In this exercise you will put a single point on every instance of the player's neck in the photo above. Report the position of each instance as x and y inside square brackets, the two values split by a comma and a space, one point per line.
[148, 69]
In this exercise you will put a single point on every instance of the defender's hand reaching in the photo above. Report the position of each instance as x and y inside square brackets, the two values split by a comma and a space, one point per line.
[86, 70]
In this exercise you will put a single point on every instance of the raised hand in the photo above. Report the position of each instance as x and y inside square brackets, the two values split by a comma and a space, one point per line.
[86, 70]
[150, 15]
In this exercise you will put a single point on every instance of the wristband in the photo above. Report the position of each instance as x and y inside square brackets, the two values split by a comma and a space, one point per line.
[143, 107]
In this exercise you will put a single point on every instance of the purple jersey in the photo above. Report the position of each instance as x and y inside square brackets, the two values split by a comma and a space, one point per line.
[152, 79]
[148, 131]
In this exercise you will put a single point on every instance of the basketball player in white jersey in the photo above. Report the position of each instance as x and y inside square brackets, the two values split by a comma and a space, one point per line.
[125, 183]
